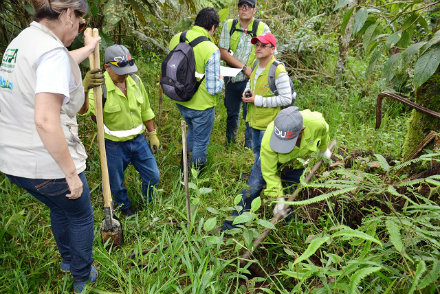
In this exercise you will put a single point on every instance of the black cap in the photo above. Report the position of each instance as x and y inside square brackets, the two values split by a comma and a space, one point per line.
[251, 2]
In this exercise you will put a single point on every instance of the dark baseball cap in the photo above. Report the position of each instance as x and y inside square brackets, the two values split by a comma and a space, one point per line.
[287, 127]
[119, 59]
[251, 2]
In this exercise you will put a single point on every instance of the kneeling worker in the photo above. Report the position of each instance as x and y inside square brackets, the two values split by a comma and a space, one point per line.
[294, 134]
[127, 113]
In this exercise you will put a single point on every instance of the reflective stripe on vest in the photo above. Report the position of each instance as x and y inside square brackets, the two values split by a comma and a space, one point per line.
[125, 133]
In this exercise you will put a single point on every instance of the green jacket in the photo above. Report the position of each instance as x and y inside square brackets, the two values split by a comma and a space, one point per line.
[124, 117]
[315, 137]
[202, 52]
[236, 36]
[259, 117]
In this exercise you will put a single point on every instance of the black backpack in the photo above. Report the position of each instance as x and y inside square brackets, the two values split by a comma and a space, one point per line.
[178, 78]
[271, 78]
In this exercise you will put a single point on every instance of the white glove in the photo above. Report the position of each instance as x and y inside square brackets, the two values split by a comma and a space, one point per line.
[327, 154]
[280, 208]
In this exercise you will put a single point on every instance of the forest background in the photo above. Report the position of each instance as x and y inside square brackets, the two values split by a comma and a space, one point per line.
[367, 223]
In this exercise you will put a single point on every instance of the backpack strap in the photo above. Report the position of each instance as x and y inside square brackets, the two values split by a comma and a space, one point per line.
[198, 40]
[254, 65]
[183, 37]
[255, 27]
[252, 33]
[233, 27]
[271, 77]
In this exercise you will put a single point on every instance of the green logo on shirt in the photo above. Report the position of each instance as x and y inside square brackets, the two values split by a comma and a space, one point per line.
[9, 58]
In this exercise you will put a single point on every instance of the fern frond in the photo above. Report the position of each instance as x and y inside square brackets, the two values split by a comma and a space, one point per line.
[431, 277]
[348, 232]
[421, 268]
[314, 245]
[383, 162]
[360, 275]
[321, 197]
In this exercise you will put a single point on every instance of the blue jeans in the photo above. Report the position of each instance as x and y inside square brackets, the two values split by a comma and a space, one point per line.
[256, 184]
[257, 137]
[138, 152]
[200, 123]
[71, 220]
[232, 101]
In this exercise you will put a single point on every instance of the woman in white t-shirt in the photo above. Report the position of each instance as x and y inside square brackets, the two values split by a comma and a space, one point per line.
[40, 150]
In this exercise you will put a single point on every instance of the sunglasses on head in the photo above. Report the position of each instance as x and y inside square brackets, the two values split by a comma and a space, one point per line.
[82, 25]
[122, 63]
[245, 6]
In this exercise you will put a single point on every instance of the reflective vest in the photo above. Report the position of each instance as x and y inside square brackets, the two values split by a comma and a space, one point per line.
[259, 117]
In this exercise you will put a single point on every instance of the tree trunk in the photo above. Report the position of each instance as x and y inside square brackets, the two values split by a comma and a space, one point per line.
[344, 43]
[420, 124]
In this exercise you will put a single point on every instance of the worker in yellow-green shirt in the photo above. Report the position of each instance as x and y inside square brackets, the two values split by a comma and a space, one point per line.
[127, 115]
[292, 135]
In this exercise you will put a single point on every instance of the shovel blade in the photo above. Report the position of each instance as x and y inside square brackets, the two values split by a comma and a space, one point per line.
[112, 233]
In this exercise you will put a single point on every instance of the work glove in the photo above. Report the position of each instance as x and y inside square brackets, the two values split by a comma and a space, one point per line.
[154, 141]
[326, 154]
[280, 208]
[94, 78]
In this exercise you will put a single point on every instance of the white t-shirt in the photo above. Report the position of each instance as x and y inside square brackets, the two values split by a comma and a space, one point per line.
[54, 74]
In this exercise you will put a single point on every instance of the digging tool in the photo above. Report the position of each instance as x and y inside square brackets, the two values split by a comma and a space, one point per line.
[110, 227]
[185, 171]
[278, 217]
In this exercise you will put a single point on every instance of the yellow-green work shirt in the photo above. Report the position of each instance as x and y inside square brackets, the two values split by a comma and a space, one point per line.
[315, 137]
[124, 117]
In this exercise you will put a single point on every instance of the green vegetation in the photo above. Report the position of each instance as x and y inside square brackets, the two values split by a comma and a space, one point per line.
[369, 224]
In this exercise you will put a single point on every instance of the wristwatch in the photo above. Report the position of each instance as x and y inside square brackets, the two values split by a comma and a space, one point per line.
[243, 69]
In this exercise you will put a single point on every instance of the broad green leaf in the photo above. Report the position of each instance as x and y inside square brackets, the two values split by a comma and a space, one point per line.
[342, 3]
[374, 56]
[237, 199]
[243, 218]
[289, 252]
[383, 162]
[359, 20]
[434, 40]
[256, 204]
[205, 190]
[210, 224]
[139, 10]
[248, 237]
[191, 185]
[266, 224]
[112, 12]
[393, 39]
[369, 35]
[423, 23]
[212, 210]
[392, 66]
[314, 245]
[360, 275]
[347, 232]
[412, 50]
[421, 268]
[345, 20]
[410, 21]
[405, 39]
[426, 66]
[223, 14]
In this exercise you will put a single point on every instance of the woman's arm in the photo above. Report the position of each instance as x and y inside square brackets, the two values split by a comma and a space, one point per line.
[47, 122]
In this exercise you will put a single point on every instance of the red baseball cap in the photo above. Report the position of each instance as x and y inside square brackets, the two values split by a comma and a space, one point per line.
[265, 38]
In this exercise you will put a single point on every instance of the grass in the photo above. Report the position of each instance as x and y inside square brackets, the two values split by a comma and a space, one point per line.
[198, 259]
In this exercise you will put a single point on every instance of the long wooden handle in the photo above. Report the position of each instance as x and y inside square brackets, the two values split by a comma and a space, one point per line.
[97, 93]
[185, 171]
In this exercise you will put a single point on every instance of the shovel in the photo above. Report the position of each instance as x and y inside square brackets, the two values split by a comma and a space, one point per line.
[111, 229]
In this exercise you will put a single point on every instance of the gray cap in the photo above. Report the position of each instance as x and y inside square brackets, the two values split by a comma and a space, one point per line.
[287, 126]
[120, 53]
[251, 2]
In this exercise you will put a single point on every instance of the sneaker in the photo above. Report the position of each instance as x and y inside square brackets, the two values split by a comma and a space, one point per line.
[127, 212]
[65, 267]
[78, 287]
